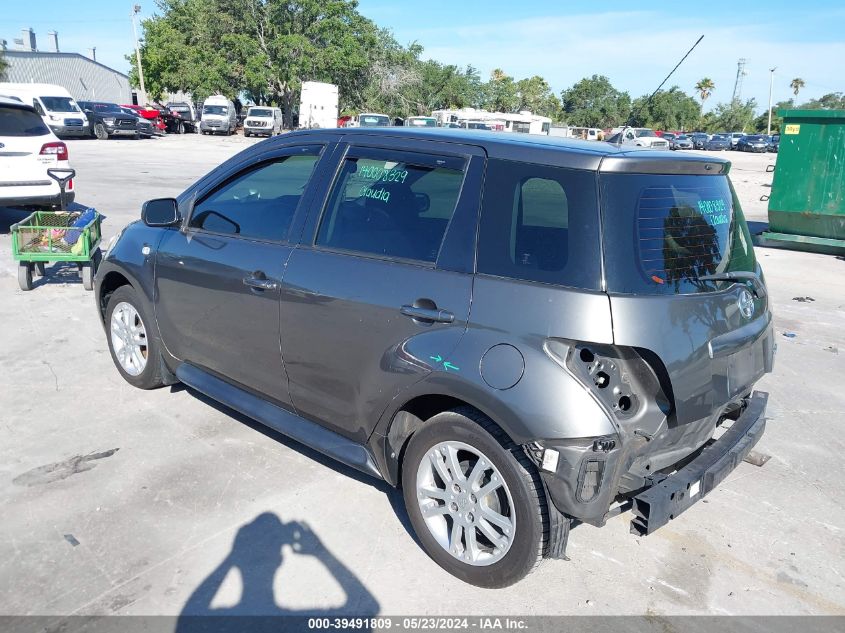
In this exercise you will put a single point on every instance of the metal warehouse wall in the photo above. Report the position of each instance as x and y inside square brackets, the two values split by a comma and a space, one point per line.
[82, 77]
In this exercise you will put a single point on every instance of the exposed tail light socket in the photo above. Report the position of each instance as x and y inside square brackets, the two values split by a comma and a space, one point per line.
[57, 149]
[589, 481]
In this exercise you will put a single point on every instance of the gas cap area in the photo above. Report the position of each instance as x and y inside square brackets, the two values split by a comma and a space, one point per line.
[502, 366]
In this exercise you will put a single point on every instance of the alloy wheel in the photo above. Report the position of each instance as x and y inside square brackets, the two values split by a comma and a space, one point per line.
[466, 503]
[129, 338]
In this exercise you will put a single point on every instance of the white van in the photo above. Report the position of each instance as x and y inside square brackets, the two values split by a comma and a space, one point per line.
[218, 116]
[263, 121]
[56, 106]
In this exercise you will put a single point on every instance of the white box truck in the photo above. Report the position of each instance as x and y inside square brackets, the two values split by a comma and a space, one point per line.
[318, 105]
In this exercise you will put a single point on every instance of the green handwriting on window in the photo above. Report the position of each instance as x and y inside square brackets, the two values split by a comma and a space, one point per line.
[372, 172]
[715, 210]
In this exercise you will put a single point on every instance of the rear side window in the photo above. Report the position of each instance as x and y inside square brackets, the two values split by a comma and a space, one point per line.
[664, 232]
[17, 122]
[392, 204]
[540, 223]
[259, 203]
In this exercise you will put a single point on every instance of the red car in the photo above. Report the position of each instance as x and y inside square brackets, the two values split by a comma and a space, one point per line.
[151, 114]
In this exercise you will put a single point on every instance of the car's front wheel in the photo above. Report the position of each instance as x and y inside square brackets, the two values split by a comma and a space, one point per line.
[475, 500]
[100, 131]
[134, 346]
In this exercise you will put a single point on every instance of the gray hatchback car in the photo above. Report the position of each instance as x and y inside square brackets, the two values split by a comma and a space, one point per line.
[523, 333]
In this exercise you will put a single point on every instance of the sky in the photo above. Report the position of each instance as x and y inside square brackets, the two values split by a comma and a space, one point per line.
[634, 44]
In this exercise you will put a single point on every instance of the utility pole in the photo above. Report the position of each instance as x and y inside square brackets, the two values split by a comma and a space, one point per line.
[771, 83]
[135, 11]
[740, 73]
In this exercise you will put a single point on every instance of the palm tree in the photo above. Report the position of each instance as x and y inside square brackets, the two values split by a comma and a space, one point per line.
[705, 88]
[796, 85]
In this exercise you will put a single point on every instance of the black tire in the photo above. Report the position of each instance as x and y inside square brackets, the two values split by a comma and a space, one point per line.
[180, 128]
[39, 269]
[530, 507]
[89, 269]
[25, 276]
[150, 377]
[100, 131]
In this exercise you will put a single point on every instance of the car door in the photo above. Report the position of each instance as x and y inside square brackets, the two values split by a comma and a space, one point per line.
[378, 294]
[218, 278]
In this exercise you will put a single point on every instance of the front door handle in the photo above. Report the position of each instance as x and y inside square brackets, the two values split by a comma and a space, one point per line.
[432, 315]
[260, 282]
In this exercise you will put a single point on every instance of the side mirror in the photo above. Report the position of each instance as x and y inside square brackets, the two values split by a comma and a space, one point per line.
[422, 202]
[161, 212]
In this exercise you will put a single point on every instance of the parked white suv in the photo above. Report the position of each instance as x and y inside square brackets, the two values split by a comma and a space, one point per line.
[27, 150]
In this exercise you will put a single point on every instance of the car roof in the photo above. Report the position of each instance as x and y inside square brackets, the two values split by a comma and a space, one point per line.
[551, 150]
[14, 103]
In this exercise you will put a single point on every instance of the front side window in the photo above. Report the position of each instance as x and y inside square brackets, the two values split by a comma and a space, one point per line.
[260, 203]
[392, 204]
[540, 223]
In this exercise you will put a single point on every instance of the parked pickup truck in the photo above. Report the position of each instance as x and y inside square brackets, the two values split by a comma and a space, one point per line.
[107, 120]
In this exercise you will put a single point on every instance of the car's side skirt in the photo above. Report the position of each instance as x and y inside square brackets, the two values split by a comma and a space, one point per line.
[309, 433]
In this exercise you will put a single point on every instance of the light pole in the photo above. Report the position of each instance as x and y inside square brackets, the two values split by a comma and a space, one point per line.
[135, 11]
[771, 83]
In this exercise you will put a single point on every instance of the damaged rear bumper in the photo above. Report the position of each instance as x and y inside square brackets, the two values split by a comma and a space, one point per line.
[669, 497]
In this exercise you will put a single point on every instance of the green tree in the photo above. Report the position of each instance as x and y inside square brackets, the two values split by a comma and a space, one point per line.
[594, 102]
[732, 117]
[536, 95]
[796, 85]
[671, 109]
[705, 88]
[264, 47]
[761, 122]
[830, 101]
[501, 92]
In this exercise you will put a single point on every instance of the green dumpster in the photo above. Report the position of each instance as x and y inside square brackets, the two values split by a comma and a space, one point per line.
[807, 202]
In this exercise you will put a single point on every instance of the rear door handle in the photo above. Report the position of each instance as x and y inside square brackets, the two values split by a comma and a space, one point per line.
[432, 315]
[260, 282]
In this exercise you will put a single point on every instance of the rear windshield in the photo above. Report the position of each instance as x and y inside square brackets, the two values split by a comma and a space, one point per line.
[60, 104]
[662, 233]
[16, 122]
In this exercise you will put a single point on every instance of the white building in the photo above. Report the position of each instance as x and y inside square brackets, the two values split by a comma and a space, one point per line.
[83, 77]
[520, 122]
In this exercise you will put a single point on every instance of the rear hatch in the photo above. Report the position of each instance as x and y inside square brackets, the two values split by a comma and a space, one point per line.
[22, 135]
[685, 289]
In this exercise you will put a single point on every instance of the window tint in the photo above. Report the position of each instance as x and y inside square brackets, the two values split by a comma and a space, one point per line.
[540, 223]
[17, 122]
[392, 204]
[260, 203]
[664, 232]
[37, 107]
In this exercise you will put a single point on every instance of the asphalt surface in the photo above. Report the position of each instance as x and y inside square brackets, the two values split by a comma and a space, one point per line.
[115, 500]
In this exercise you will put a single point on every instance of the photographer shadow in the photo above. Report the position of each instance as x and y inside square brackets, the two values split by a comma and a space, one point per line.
[257, 555]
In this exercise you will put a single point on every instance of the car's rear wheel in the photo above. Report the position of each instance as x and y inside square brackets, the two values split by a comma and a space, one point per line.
[133, 344]
[180, 128]
[475, 500]
[100, 131]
